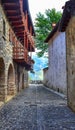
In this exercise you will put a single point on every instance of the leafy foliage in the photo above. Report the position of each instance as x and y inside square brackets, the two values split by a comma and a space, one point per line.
[43, 26]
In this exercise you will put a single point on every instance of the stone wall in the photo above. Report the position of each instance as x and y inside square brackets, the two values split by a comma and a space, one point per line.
[26, 82]
[45, 76]
[56, 75]
[21, 77]
[13, 77]
[70, 35]
[5, 45]
[5, 55]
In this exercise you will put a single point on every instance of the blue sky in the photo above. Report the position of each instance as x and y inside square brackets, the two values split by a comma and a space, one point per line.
[40, 63]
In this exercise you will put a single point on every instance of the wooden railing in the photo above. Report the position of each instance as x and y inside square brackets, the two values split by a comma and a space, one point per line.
[25, 22]
[20, 49]
[21, 54]
[18, 52]
[29, 32]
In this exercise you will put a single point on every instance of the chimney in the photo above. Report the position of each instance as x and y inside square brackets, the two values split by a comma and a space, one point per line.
[53, 25]
[63, 7]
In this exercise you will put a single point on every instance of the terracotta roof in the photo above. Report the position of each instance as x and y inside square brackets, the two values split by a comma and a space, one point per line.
[52, 33]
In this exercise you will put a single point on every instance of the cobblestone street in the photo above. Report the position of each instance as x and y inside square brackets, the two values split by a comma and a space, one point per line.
[37, 108]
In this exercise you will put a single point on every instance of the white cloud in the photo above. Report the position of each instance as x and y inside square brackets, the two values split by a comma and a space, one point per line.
[41, 5]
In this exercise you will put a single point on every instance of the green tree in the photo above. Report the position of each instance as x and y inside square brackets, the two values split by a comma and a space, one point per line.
[43, 26]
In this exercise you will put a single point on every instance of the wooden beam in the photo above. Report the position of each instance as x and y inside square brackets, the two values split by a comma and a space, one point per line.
[12, 11]
[17, 22]
[26, 20]
[20, 60]
[19, 32]
[17, 26]
[10, 1]
[11, 4]
[15, 17]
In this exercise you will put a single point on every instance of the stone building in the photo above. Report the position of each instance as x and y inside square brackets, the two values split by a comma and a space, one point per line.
[55, 77]
[67, 24]
[16, 40]
[66, 53]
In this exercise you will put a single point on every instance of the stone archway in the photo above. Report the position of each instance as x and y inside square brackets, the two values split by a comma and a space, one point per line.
[2, 80]
[23, 81]
[11, 81]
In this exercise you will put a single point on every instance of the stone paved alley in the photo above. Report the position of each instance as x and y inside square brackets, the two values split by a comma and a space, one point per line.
[37, 108]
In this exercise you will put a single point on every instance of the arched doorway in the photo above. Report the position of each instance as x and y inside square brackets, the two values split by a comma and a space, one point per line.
[23, 81]
[11, 81]
[2, 80]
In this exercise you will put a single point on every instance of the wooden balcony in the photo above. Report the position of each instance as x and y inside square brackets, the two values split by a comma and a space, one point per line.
[18, 53]
[20, 20]
[30, 39]
[20, 56]
[21, 31]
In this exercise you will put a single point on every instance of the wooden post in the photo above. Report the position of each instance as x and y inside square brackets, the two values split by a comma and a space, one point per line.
[31, 30]
[26, 21]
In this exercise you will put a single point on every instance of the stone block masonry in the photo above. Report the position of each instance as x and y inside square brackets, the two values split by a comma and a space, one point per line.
[70, 31]
[10, 80]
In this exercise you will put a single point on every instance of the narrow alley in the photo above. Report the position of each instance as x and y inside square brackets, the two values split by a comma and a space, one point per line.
[37, 108]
